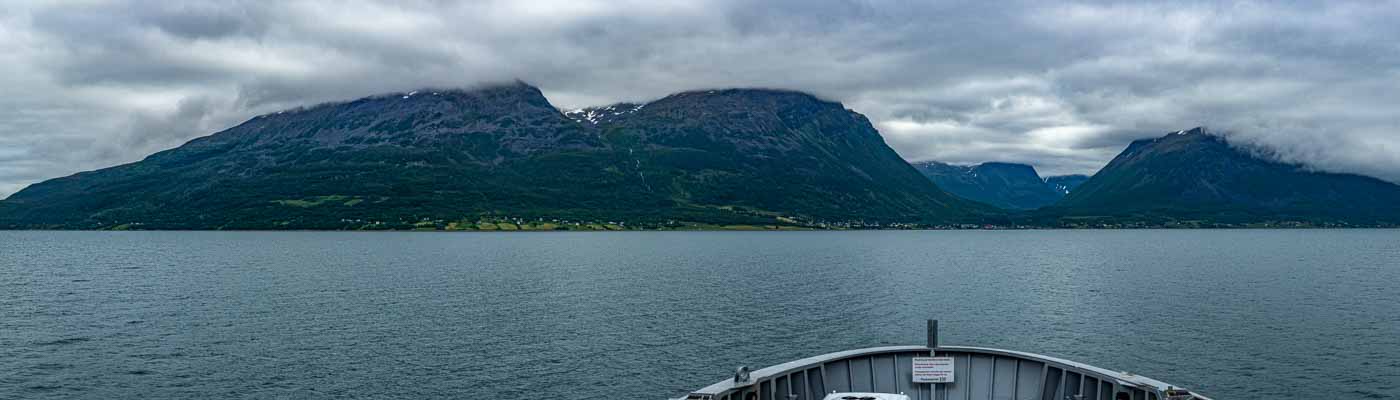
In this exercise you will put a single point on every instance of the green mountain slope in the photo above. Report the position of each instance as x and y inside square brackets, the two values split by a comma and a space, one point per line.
[775, 150]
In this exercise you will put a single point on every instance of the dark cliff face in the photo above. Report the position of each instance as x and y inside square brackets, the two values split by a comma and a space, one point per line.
[728, 156]
[1196, 174]
[1004, 185]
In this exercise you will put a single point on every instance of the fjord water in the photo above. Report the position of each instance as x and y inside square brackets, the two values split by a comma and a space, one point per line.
[1253, 314]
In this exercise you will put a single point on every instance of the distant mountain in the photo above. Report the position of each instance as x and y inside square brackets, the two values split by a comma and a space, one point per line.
[1063, 184]
[501, 156]
[1004, 185]
[1195, 176]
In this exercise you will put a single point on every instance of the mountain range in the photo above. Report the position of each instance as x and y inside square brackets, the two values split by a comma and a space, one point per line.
[502, 157]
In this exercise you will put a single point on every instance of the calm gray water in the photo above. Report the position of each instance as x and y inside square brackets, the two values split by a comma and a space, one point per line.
[1302, 314]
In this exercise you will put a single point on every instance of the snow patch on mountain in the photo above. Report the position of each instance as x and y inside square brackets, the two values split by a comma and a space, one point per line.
[597, 115]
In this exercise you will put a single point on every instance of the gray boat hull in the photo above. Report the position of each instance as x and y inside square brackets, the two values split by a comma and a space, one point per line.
[980, 374]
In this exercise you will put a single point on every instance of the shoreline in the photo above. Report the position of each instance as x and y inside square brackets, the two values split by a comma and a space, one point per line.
[789, 229]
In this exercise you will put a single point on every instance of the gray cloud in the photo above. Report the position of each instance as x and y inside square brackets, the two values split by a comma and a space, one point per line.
[1063, 86]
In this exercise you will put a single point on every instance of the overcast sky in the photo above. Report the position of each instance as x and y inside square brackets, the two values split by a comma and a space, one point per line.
[1062, 86]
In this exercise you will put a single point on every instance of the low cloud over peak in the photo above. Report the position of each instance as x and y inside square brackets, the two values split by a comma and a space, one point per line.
[1062, 86]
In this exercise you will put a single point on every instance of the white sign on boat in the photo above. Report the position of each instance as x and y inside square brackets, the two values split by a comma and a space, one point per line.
[933, 369]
